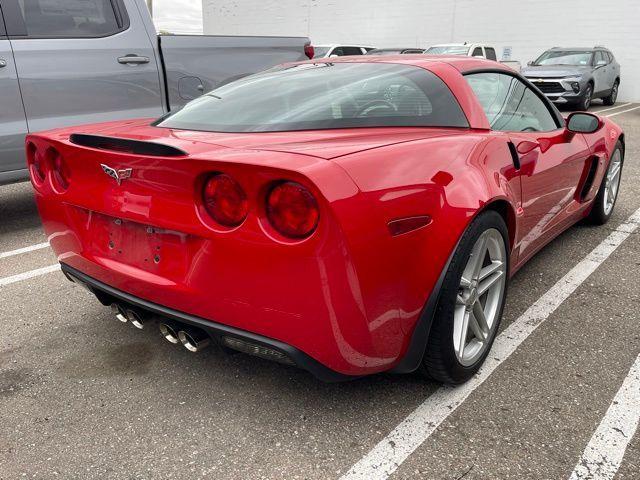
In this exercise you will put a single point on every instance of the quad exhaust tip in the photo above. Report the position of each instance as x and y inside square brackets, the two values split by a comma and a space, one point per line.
[120, 312]
[125, 315]
[136, 319]
[170, 332]
[194, 339]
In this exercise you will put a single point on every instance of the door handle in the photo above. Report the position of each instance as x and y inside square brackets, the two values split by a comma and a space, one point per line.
[3, 62]
[133, 60]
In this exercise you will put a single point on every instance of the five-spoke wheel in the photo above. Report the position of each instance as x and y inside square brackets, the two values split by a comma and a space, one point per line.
[480, 294]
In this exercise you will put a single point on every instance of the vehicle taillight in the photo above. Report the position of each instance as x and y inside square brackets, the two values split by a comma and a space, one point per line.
[292, 210]
[36, 164]
[309, 51]
[59, 169]
[225, 200]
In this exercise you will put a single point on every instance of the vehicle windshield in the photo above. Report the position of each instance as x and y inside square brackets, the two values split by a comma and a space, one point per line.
[320, 52]
[564, 57]
[324, 96]
[448, 50]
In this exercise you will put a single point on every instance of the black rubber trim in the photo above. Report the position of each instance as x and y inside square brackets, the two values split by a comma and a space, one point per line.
[418, 343]
[126, 145]
[300, 358]
[3, 31]
[165, 79]
[514, 155]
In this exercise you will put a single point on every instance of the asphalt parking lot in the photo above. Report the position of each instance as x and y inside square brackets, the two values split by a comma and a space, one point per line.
[85, 396]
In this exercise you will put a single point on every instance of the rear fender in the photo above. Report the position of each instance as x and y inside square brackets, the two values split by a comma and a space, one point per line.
[450, 179]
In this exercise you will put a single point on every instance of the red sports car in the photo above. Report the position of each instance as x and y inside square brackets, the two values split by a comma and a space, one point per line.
[349, 216]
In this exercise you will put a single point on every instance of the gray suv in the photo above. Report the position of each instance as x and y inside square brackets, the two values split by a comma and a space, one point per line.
[575, 76]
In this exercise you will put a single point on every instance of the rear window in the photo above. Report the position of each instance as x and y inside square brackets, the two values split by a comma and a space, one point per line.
[319, 52]
[377, 51]
[324, 96]
[69, 18]
[448, 50]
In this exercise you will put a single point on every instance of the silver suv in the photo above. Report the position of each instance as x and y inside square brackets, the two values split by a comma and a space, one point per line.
[575, 76]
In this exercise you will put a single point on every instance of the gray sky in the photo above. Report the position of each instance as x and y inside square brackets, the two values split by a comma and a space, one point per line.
[178, 16]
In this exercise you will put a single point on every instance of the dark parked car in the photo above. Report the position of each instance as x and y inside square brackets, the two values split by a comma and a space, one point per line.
[394, 51]
[575, 76]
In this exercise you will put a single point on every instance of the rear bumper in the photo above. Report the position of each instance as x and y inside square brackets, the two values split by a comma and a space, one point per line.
[108, 295]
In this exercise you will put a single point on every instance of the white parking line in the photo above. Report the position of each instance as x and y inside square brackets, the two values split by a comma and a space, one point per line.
[402, 441]
[623, 111]
[30, 274]
[612, 108]
[19, 251]
[605, 451]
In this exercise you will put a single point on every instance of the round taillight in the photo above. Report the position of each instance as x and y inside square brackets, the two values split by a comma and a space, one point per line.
[225, 200]
[59, 169]
[292, 210]
[36, 164]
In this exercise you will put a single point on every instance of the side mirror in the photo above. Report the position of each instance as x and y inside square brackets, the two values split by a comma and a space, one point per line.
[530, 63]
[333, 55]
[582, 122]
[601, 63]
[478, 56]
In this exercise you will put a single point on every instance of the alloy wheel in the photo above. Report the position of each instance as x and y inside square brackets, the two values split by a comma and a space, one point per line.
[586, 103]
[480, 297]
[612, 182]
[614, 93]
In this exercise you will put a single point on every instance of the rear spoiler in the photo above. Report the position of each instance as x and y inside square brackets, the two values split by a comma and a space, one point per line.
[126, 145]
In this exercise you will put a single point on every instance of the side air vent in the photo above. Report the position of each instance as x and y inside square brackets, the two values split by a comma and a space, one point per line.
[127, 146]
[591, 175]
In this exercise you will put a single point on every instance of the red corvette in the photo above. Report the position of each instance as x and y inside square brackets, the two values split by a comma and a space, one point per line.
[348, 216]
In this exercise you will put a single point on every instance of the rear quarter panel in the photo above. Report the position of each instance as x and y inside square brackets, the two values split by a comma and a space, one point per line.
[451, 179]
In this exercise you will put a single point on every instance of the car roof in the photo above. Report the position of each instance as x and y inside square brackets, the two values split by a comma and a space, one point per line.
[399, 49]
[578, 49]
[333, 45]
[462, 63]
[468, 44]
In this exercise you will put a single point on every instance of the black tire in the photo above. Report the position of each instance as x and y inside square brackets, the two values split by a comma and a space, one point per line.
[613, 95]
[598, 215]
[587, 97]
[440, 362]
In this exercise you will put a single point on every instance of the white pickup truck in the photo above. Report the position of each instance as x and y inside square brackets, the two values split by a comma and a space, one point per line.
[67, 62]
[464, 49]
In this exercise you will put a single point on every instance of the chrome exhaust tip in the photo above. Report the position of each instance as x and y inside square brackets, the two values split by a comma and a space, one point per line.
[194, 339]
[120, 312]
[169, 332]
[136, 318]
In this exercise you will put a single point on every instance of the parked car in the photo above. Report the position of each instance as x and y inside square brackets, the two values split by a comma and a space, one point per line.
[465, 49]
[292, 215]
[394, 51]
[65, 62]
[575, 76]
[326, 51]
